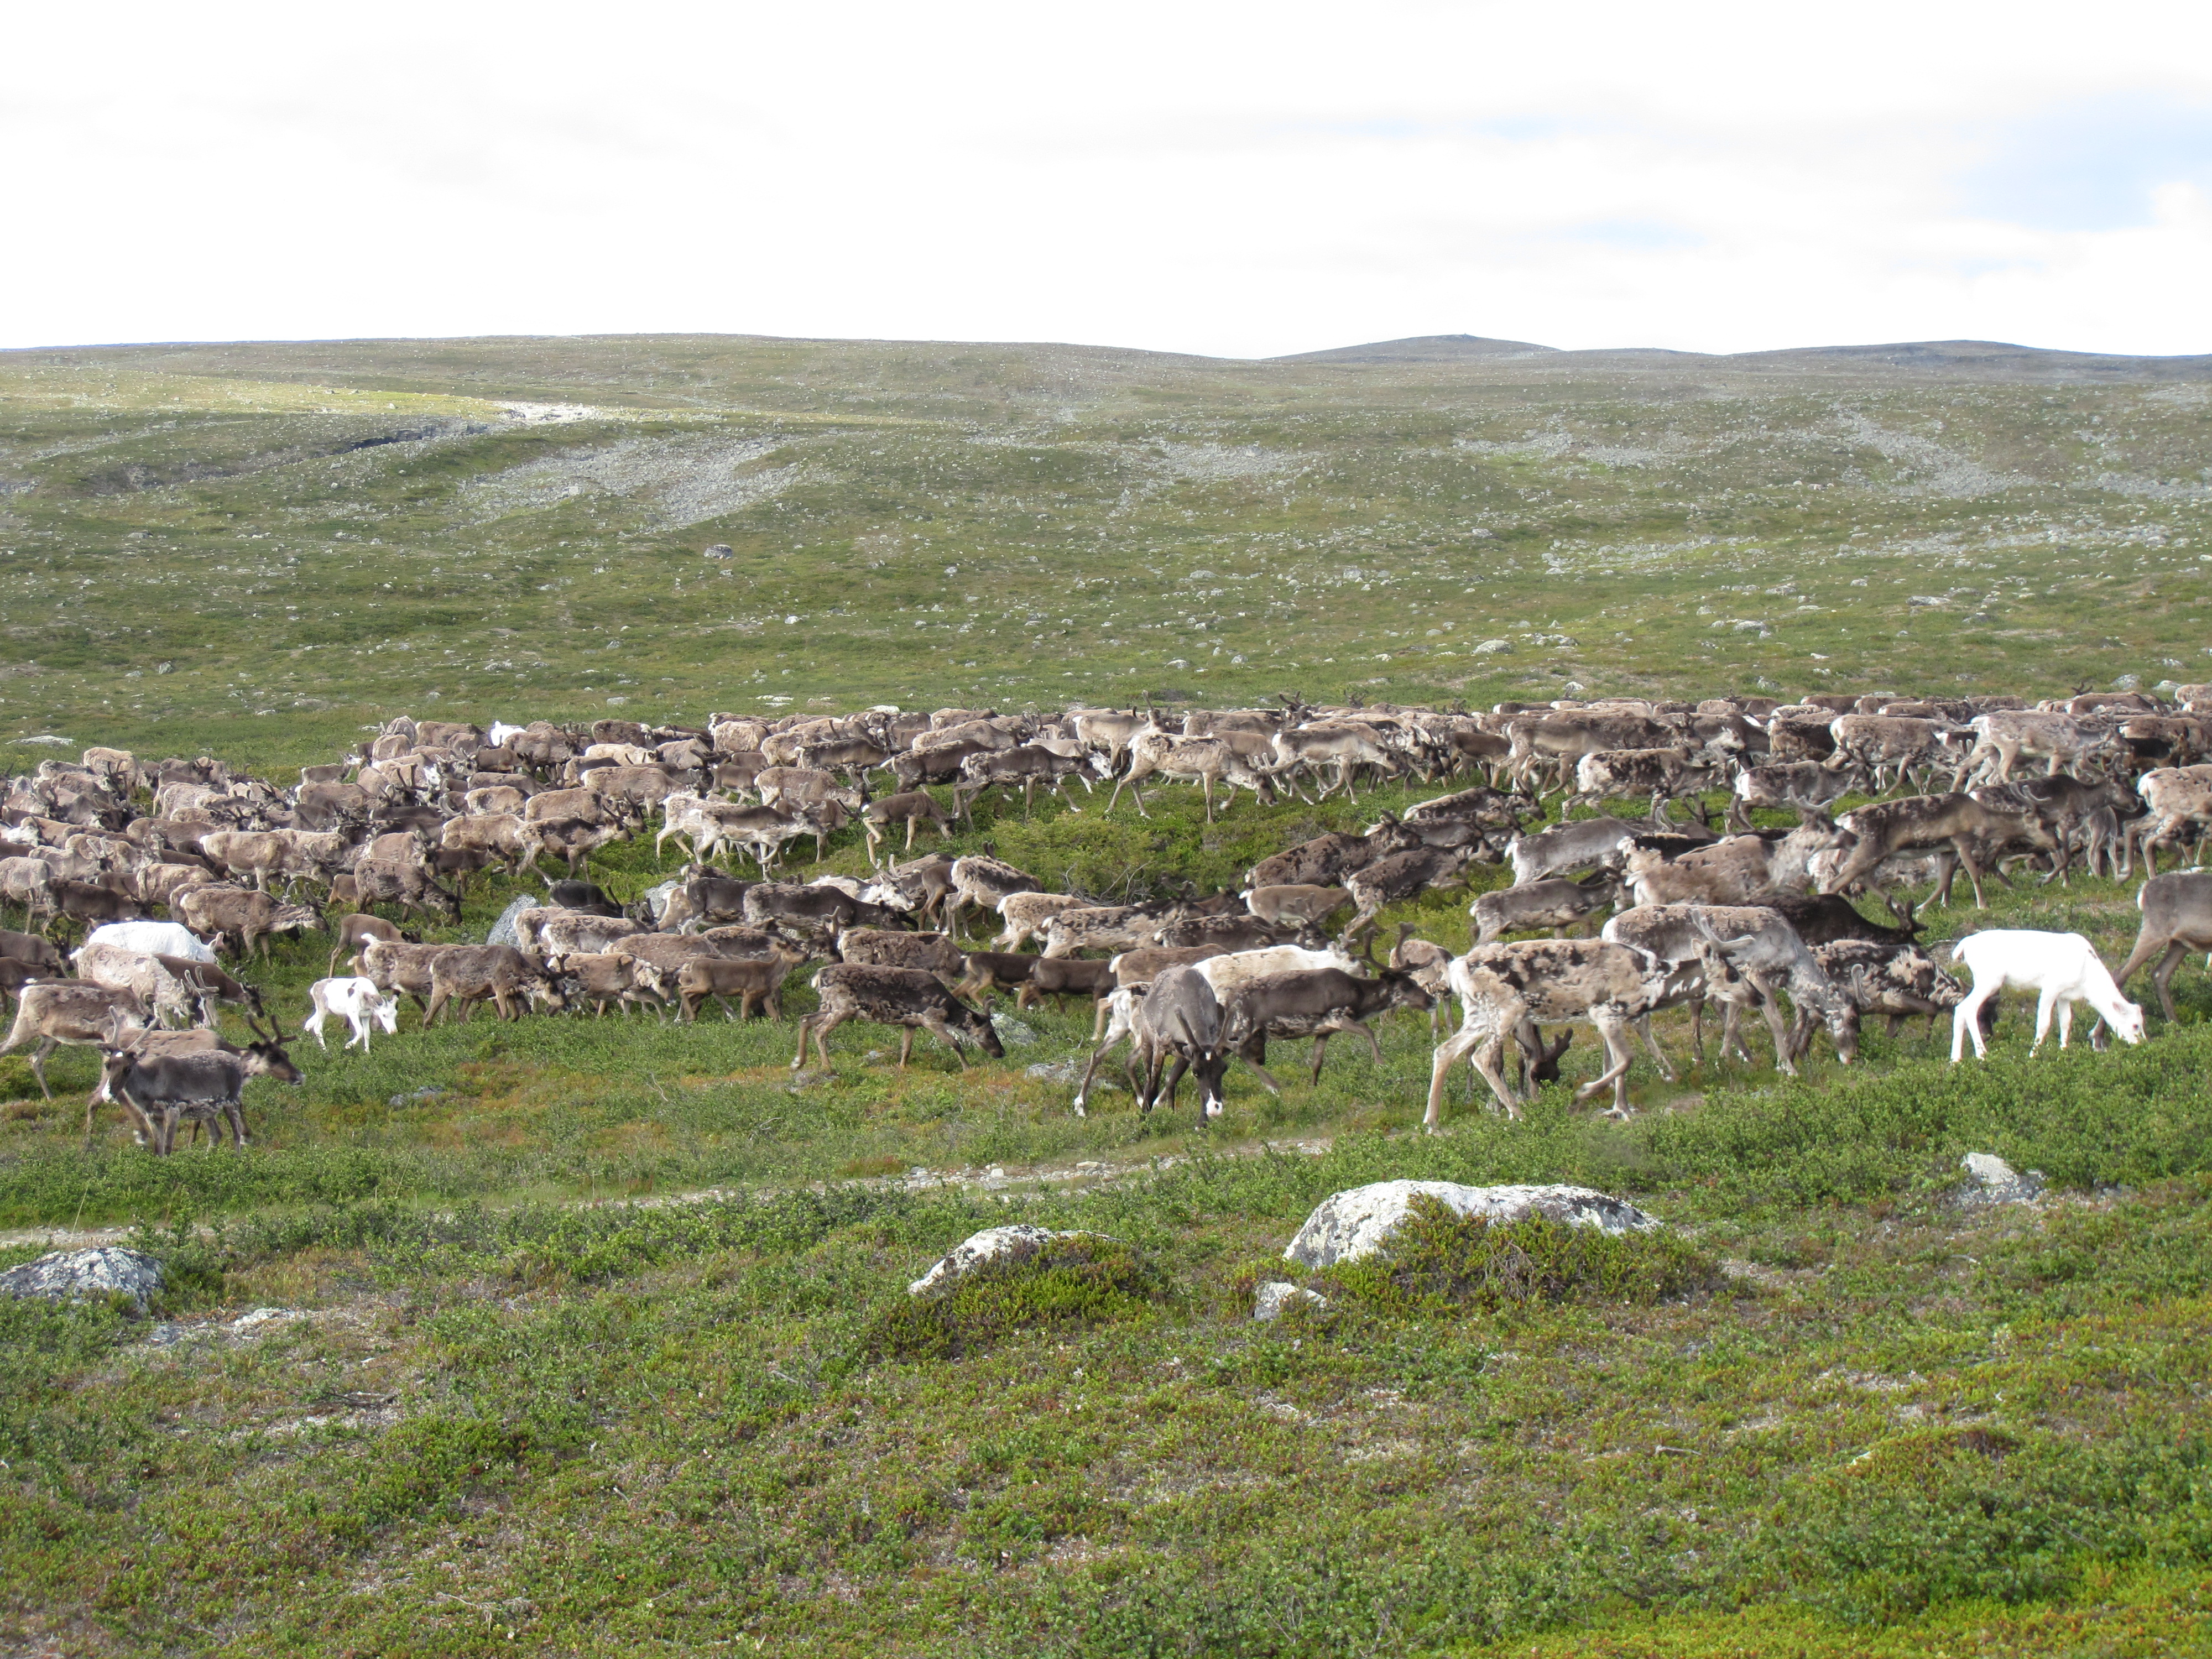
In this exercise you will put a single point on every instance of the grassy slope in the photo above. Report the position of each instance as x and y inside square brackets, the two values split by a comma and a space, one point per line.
[1075, 496]
[1898, 1428]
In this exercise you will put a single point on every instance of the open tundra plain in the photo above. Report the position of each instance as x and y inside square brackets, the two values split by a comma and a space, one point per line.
[580, 1334]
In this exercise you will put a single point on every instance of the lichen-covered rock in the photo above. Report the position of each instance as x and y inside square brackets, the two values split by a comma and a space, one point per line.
[1990, 1179]
[656, 897]
[1016, 1241]
[1350, 1225]
[1012, 1033]
[261, 1321]
[104, 1272]
[503, 931]
[1276, 1298]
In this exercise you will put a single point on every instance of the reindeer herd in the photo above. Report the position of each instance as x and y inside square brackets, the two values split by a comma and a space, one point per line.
[161, 865]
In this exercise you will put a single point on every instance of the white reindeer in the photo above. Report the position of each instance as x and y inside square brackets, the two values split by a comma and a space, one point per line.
[2061, 969]
[355, 1000]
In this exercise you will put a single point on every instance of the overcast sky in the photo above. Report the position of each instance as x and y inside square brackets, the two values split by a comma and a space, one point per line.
[1238, 179]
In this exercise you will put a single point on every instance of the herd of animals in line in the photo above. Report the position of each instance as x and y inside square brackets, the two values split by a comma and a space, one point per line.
[166, 868]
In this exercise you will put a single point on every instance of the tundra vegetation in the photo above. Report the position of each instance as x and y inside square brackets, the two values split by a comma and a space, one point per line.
[593, 1334]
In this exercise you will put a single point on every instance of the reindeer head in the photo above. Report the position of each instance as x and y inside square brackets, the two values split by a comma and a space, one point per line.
[268, 1059]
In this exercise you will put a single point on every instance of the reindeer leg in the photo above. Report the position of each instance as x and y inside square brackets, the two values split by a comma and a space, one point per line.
[2163, 976]
[1255, 1054]
[1485, 1059]
[1771, 1007]
[1643, 1026]
[1448, 1053]
[1965, 1020]
[1973, 874]
[1083, 1090]
[1618, 1057]
[1174, 1075]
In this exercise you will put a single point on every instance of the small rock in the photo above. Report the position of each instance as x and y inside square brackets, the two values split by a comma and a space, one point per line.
[1481, 535]
[1493, 647]
[105, 1271]
[721, 550]
[417, 1097]
[254, 1324]
[1271, 1299]
[1348, 1225]
[1020, 1240]
[1012, 1033]
[1066, 1071]
[1990, 1179]
[2127, 682]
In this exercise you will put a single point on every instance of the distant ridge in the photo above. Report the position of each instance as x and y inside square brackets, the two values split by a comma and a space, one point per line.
[1425, 349]
[1940, 359]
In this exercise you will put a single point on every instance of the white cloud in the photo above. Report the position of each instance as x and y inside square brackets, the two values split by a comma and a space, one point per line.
[1230, 178]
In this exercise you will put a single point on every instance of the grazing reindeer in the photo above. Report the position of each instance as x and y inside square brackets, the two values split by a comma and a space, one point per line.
[2061, 969]
[2177, 919]
[909, 807]
[908, 997]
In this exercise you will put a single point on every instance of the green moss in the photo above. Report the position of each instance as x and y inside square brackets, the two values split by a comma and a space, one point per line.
[1439, 1261]
[1076, 1282]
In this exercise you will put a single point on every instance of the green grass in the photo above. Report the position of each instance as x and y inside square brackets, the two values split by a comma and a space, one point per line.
[545, 1397]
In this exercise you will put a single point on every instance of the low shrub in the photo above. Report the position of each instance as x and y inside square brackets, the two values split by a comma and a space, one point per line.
[1952, 1515]
[1088, 1280]
[1439, 1261]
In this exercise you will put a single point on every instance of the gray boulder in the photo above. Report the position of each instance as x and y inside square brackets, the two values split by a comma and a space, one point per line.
[1276, 1298]
[1347, 1225]
[1012, 1033]
[1018, 1242]
[107, 1271]
[503, 931]
[656, 898]
[1991, 1180]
